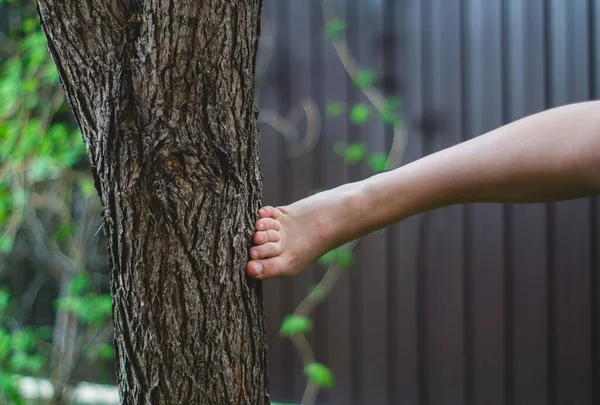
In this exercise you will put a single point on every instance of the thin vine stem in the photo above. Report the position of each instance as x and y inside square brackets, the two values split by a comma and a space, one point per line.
[334, 272]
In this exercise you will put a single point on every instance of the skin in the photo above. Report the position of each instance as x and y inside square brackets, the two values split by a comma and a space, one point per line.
[550, 156]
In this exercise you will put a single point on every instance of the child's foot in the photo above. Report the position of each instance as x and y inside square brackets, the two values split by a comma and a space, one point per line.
[289, 239]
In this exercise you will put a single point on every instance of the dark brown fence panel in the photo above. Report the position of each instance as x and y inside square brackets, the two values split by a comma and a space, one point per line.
[477, 304]
[403, 240]
[444, 263]
[339, 310]
[372, 258]
[524, 52]
[570, 380]
[271, 149]
[485, 266]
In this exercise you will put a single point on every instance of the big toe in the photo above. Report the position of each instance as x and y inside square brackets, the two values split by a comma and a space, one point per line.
[267, 269]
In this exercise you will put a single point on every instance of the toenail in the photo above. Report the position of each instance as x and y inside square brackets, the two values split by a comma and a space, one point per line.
[259, 239]
[262, 212]
[254, 253]
[258, 269]
[261, 226]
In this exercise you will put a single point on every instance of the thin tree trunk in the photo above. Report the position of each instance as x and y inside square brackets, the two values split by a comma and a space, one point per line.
[163, 92]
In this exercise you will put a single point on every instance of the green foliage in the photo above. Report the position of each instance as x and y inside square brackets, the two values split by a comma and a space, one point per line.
[103, 351]
[18, 352]
[336, 28]
[294, 325]
[365, 79]
[390, 111]
[377, 162]
[360, 113]
[352, 153]
[320, 375]
[341, 256]
[90, 308]
[334, 109]
[35, 148]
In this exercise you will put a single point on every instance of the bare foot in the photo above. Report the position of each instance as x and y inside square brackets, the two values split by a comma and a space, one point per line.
[289, 239]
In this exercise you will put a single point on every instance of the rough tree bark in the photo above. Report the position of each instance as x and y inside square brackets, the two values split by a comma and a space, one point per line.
[163, 91]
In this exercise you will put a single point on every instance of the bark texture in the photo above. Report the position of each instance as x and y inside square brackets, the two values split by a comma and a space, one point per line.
[163, 91]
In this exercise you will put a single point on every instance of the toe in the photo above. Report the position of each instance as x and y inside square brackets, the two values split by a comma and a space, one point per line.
[267, 250]
[264, 224]
[267, 236]
[266, 269]
[268, 212]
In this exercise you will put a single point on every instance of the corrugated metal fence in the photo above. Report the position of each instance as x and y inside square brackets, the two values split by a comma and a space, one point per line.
[477, 304]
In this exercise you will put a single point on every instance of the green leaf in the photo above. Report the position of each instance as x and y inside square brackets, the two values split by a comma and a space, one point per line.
[6, 244]
[80, 283]
[342, 256]
[294, 324]
[4, 299]
[87, 187]
[328, 258]
[389, 113]
[42, 168]
[355, 152]
[365, 79]
[320, 375]
[335, 28]
[102, 351]
[377, 162]
[29, 24]
[345, 258]
[360, 113]
[22, 341]
[4, 344]
[334, 109]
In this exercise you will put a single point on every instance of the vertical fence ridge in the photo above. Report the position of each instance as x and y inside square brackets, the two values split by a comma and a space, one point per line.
[507, 216]
[468, 330]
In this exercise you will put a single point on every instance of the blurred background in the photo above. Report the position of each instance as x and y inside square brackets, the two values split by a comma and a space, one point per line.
[475, 304]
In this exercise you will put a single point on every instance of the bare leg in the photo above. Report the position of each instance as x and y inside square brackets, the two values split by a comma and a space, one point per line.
[550, 156]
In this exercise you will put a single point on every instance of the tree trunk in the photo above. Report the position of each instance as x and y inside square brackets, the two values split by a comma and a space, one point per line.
[163, 92]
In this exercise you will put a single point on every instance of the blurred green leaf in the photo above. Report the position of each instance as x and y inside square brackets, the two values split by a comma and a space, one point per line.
[320, 375]
[334, 109]
[4, 344]
[335, 28]
[22, 341]
[365, 79]
[377, 162]
[328, 258]
[4, 300]
[390, 114]
[294, 324]
[355, 152]
[41, 169]
[360, 113]
[341, 256]
[87, 187]
[80, 283]
[101, 351]
[29, 24]
[6, 244]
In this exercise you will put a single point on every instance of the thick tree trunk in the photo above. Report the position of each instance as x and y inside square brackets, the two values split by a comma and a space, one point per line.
[163, 91]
